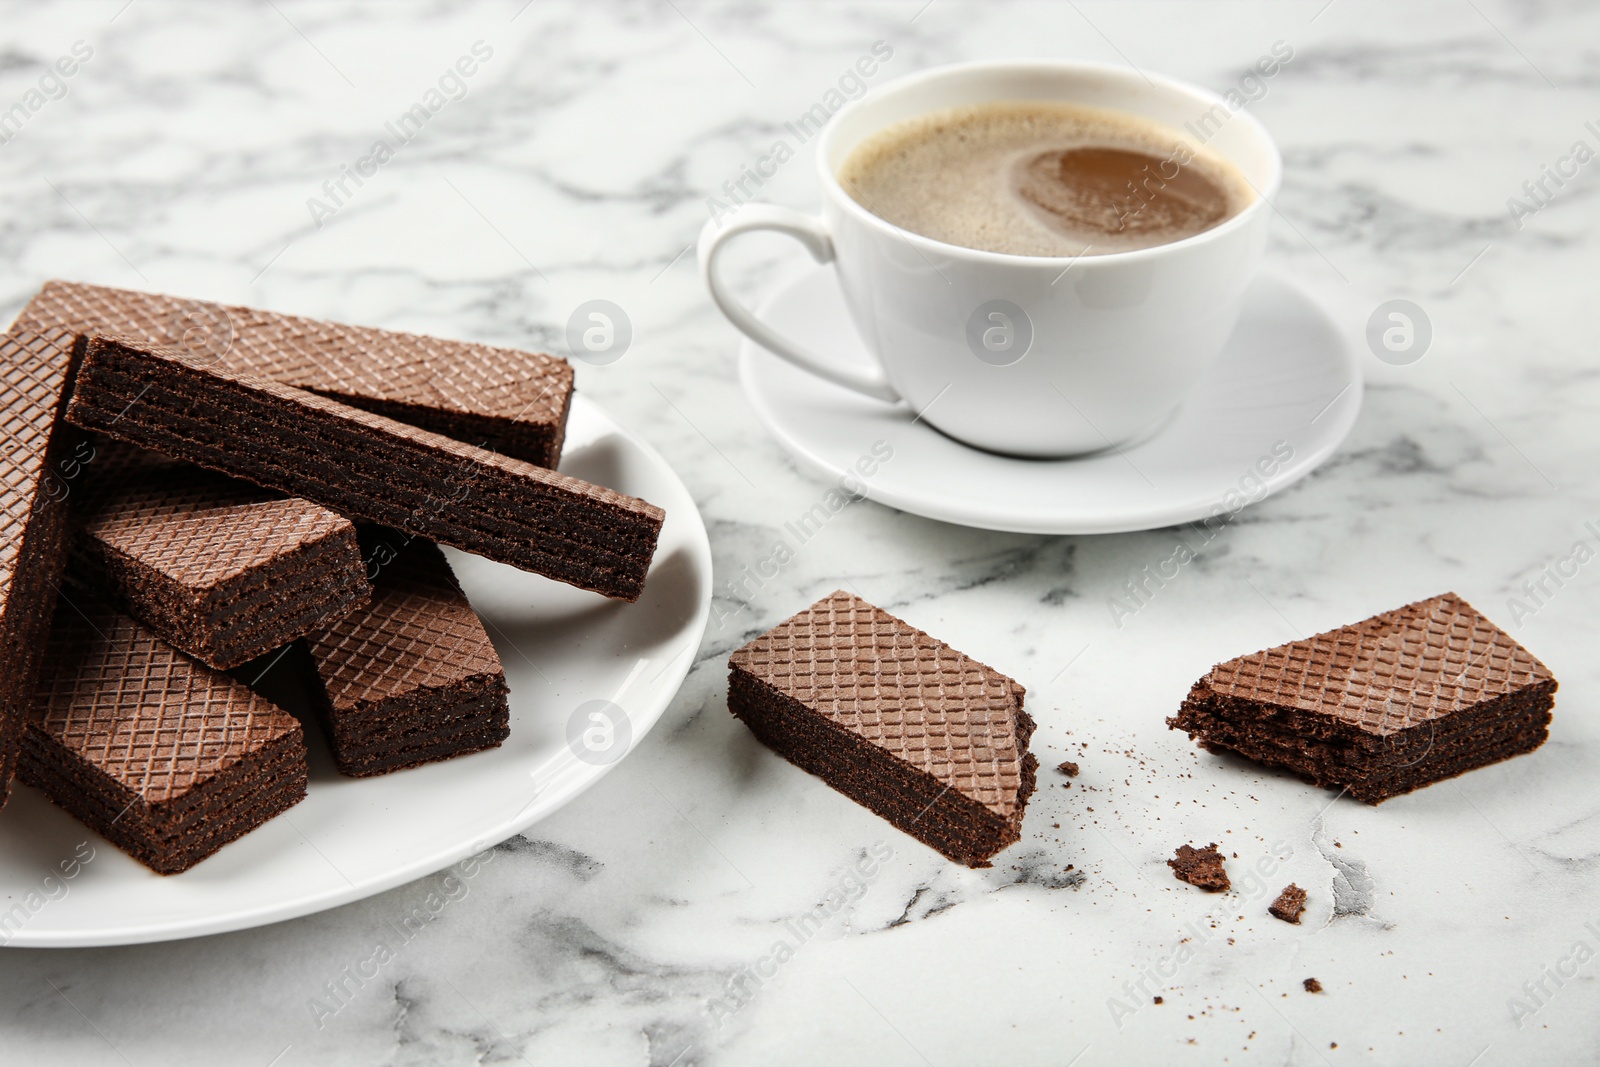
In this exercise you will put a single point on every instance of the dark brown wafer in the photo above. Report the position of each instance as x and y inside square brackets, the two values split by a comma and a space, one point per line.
[35, 375]
[367, 466]
[498, 398]
[164, 757]
[1380, 707]
[928, 738]
[411, 677]
[224, 570]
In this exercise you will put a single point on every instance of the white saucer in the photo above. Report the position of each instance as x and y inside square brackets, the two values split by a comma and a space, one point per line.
[351, 837]
[1287, 380]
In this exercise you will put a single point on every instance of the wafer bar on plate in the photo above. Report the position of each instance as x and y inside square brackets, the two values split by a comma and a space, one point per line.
[367, 466]
[901, 723]
[223, 570]
[35, 375]
[166, 758]
[499, 398]
[411, 677]
[1382, 706]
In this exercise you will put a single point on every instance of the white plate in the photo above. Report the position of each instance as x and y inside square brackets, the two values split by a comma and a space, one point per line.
[1287, 380]
[351, 837]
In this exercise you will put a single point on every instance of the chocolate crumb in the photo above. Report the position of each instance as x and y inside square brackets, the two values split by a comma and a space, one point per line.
[1289, 905]
[1313, 986]
[1068, 768]
[1160, 1001]
[1200, 867]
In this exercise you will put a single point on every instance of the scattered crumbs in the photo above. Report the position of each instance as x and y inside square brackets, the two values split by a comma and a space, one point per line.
[1313, 986]
[1158, 1000]
[1068, 768]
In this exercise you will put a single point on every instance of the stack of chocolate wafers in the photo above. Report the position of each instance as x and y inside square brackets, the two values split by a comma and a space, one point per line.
[206, 499]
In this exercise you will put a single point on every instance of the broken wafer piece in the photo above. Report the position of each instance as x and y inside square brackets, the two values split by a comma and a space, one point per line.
[35, 376]
[930, 739]
[1380, 707]
[1202, 867]
[221, 569]
[410, 677]
[1290, 905]
[502, 399]
[367, 466]
[166, 758]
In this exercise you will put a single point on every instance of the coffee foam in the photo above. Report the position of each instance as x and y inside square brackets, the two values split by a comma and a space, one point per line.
[971, 176]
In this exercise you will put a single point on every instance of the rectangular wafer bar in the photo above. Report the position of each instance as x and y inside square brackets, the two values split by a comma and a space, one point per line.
[35, 376]
[166, 758]
[899, 722]
[223, 570]
[367, 466]
[503, 399]
[411, 677]
[1380, 707]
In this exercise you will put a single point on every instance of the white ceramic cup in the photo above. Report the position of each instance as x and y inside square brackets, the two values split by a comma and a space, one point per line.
[1026, 355]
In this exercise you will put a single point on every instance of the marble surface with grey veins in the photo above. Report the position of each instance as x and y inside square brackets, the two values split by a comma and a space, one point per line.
[1456, 925]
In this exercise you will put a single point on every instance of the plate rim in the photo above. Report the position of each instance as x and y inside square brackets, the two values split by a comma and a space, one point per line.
[960, 514]
[641, 723]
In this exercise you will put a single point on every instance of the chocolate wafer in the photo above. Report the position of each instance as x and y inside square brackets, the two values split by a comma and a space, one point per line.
[930, 739]
[223, 570]
[1381, 707]
[35, 376]
[367, 466]
[502, 399]
[411, 677]
[164, 757]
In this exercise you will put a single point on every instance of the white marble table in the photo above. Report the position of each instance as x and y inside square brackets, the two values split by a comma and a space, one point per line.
[576, 166]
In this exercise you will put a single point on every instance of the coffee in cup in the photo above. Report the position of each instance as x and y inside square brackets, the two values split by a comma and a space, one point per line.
[1042, 178]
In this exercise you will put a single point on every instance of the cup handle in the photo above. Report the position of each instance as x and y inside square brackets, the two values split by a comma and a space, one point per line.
[811, 233]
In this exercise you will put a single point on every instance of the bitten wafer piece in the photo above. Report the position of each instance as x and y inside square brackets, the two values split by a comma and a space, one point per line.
[35, 376]
[499, 398]
[223, 570]
[901, 723]
[367, 466]
[166, 758]
[410, 677]
[1380, 707]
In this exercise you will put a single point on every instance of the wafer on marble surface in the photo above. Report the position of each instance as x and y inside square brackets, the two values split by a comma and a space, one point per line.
[1381, 707]
[905, 725]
